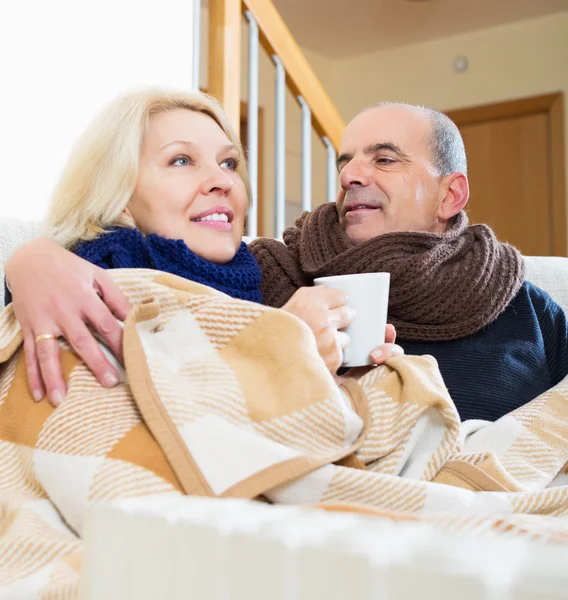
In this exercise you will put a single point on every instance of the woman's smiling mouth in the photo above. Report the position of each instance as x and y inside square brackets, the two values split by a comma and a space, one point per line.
[219, 218]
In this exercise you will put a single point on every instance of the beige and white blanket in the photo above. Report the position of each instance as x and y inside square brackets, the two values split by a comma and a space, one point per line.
[226, 398]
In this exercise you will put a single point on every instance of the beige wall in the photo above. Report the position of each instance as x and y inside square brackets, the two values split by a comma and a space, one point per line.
[520, 60]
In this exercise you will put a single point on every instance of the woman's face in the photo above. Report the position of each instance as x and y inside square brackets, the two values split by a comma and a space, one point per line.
[188, 187]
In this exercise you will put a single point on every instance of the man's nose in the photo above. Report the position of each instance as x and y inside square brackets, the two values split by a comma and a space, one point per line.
[353, 174]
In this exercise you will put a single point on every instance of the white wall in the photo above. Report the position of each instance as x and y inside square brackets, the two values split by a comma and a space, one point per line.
[61, 61]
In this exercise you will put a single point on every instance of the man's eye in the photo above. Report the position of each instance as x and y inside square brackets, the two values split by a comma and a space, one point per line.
[230, 163]
[180, 161]
[385, 160]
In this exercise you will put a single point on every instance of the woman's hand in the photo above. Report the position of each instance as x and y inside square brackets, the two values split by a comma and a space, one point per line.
[325, 311]
[56, 292]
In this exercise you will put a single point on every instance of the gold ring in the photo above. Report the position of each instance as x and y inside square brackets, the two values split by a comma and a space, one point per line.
[45, 336]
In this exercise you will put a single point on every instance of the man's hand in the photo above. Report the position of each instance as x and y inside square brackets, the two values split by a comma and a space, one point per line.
[389, 349]
[379, 356]
[325, 311]
[55, 292]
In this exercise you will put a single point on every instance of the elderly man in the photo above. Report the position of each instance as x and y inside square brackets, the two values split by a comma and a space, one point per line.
[456, 292]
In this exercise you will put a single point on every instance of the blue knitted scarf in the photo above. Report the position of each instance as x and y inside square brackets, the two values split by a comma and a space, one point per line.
[123, 248]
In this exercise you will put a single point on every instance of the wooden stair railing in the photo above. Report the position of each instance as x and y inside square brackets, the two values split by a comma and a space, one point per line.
[224, 72]
[293, 71]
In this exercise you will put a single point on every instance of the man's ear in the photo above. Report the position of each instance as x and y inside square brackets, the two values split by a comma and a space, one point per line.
[455, 194]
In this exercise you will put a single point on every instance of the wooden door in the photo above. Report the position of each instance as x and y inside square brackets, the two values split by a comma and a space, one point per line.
[516, 179]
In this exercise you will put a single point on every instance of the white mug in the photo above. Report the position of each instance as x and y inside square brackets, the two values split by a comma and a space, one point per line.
[368, 295]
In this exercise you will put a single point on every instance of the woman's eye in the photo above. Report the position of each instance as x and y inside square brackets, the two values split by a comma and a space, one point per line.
[180, 161]
[230, 163]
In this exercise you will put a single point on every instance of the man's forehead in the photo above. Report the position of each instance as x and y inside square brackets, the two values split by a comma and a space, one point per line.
[405, 126]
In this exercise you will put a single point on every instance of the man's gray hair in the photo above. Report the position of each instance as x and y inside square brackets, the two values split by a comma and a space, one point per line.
[446, 142]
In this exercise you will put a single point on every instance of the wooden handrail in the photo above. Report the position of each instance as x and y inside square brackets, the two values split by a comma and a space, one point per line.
[275, 38]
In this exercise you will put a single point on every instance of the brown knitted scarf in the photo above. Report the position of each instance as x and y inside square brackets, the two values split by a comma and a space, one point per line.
[444, 286]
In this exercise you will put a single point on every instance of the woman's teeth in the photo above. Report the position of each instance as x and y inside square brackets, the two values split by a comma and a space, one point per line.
[215, 217]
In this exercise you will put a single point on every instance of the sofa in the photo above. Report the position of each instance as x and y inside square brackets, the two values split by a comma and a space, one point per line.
[547, 272]
[413, 558]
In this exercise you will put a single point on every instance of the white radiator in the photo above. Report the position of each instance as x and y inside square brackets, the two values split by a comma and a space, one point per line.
[206, 549]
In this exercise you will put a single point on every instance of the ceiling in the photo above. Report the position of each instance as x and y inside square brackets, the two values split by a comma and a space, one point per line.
[342, 28]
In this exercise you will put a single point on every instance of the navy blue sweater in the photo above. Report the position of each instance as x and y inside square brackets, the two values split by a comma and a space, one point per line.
[520, 355]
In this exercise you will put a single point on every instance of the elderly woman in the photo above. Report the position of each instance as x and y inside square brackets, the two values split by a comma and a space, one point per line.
[157, 181]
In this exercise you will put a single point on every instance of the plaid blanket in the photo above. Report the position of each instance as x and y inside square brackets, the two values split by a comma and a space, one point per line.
[226, 398]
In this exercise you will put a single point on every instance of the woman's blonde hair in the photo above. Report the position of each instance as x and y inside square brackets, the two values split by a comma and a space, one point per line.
[100, 176]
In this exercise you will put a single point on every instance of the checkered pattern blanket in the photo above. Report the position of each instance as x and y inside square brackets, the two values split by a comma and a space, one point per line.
[227, 398]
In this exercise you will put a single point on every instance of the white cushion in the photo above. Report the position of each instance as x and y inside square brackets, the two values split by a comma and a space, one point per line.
[550, 273]
[546, 272]
[13, 233]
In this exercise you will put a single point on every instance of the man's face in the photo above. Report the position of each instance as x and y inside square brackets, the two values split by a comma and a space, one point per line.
[388, 180]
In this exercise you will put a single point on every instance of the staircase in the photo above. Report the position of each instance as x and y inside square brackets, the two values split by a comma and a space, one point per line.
[229, 22]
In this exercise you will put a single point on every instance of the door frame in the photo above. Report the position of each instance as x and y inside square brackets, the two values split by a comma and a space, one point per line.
[553, 106]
